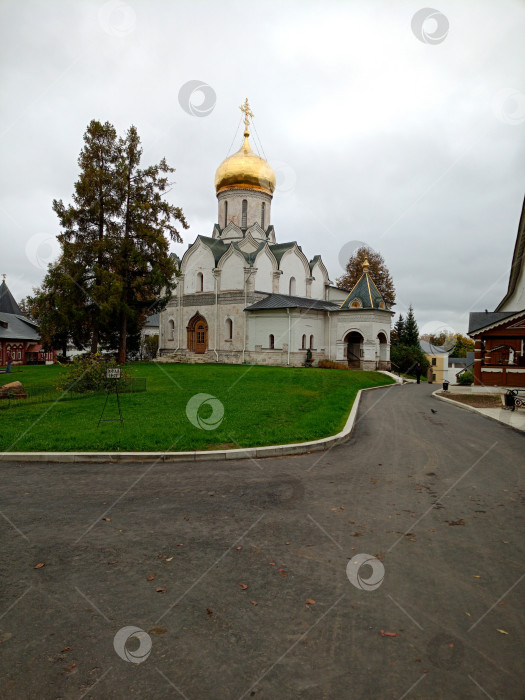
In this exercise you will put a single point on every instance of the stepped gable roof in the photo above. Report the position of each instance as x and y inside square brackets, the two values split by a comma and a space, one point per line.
[313, 261]
[285, 301]
[518, 260]
[365, 292]
[249, 257]
[279, 249]
[17, 327]
[218, 248]
[8, 304]
[481, 319]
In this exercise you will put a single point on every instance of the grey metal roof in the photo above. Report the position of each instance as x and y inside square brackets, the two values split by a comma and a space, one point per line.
[18, 328]
[480, 319]
[430, 349]
[284, 301]
[152, 321]
[458, 361]
[8, 304]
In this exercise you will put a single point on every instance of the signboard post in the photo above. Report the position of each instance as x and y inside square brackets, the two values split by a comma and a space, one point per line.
[113, 373]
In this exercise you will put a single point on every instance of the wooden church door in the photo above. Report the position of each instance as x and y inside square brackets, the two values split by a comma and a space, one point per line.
[201, 337]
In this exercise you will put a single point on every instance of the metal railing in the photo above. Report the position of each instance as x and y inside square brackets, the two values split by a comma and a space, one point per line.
[43, 394]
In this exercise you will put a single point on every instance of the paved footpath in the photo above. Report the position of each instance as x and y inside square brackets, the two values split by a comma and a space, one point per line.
[250, 595]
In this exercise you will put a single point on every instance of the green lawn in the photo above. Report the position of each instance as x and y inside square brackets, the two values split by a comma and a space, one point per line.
[262, 406]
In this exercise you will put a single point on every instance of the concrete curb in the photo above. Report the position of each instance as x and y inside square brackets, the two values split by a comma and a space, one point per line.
[297, 448]
[473, 409]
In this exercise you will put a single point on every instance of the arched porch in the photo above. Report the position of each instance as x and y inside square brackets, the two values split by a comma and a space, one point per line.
[197, 334]
[354, 349]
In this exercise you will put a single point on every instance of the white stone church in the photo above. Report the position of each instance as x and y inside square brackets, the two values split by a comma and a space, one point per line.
[244, 297]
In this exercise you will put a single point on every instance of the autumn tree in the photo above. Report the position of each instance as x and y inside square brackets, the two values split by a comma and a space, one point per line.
[462, 346]
[378, 271]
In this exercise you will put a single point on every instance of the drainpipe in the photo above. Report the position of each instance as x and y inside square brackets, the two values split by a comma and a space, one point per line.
[329, 336]
[216, 315]
[245, 317]
[289, 333]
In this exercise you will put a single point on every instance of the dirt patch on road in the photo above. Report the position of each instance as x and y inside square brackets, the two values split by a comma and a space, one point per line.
[476, 400]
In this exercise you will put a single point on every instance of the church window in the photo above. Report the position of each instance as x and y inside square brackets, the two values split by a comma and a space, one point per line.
[229, 329]
[311, 342]
[272, 342]
[225, 214]
[291, 289]
[200, 282]
[303, 343]
[171, 330]
[244, 213]
[263, 207]
[434, 361]
[356, 304]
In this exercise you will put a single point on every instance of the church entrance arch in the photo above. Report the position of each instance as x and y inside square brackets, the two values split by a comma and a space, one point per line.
[197, 329]
[354, 349]
[383, 350]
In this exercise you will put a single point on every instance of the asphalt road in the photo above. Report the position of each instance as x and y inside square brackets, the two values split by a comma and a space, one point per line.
[251, 596]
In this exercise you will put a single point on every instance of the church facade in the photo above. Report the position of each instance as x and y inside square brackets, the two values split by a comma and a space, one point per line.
[242, 296]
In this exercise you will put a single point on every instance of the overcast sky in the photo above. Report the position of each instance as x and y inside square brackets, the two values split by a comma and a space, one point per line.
[385, 123]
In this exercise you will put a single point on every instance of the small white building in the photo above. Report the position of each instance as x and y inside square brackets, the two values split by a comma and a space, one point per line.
[244, 297]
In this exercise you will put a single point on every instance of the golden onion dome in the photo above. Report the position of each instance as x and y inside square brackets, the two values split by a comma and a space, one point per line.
[246, 170]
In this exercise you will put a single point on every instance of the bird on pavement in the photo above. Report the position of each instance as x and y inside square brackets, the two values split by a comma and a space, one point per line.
[434, 410]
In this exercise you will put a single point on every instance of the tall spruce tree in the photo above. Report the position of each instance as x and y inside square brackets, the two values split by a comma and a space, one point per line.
[397, 331]
[115, 259]
[410, 332]
[88, 226]
[144, 267]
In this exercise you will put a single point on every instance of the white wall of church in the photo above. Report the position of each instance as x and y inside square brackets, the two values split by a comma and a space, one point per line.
[292, 266]
[201, 261]
[264, 274]
[307, 324]
[318, 283]
[232, 273]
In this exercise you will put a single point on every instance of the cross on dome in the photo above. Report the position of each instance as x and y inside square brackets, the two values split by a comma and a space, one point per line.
[245, 108]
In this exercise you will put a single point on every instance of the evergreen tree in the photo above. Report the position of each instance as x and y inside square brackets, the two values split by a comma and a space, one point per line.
[378, 271]
[88, 226]
[144, 267]
[397, 332]
[410, 332]
[115, 263]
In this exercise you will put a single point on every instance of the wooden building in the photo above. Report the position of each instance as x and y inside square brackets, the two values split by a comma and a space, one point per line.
[19, 335]
[499, 335]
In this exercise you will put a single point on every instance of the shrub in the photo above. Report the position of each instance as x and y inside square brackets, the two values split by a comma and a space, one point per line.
[330, 364]
[151, 345]
[407, 356]
[88, 373]
[466, 379]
